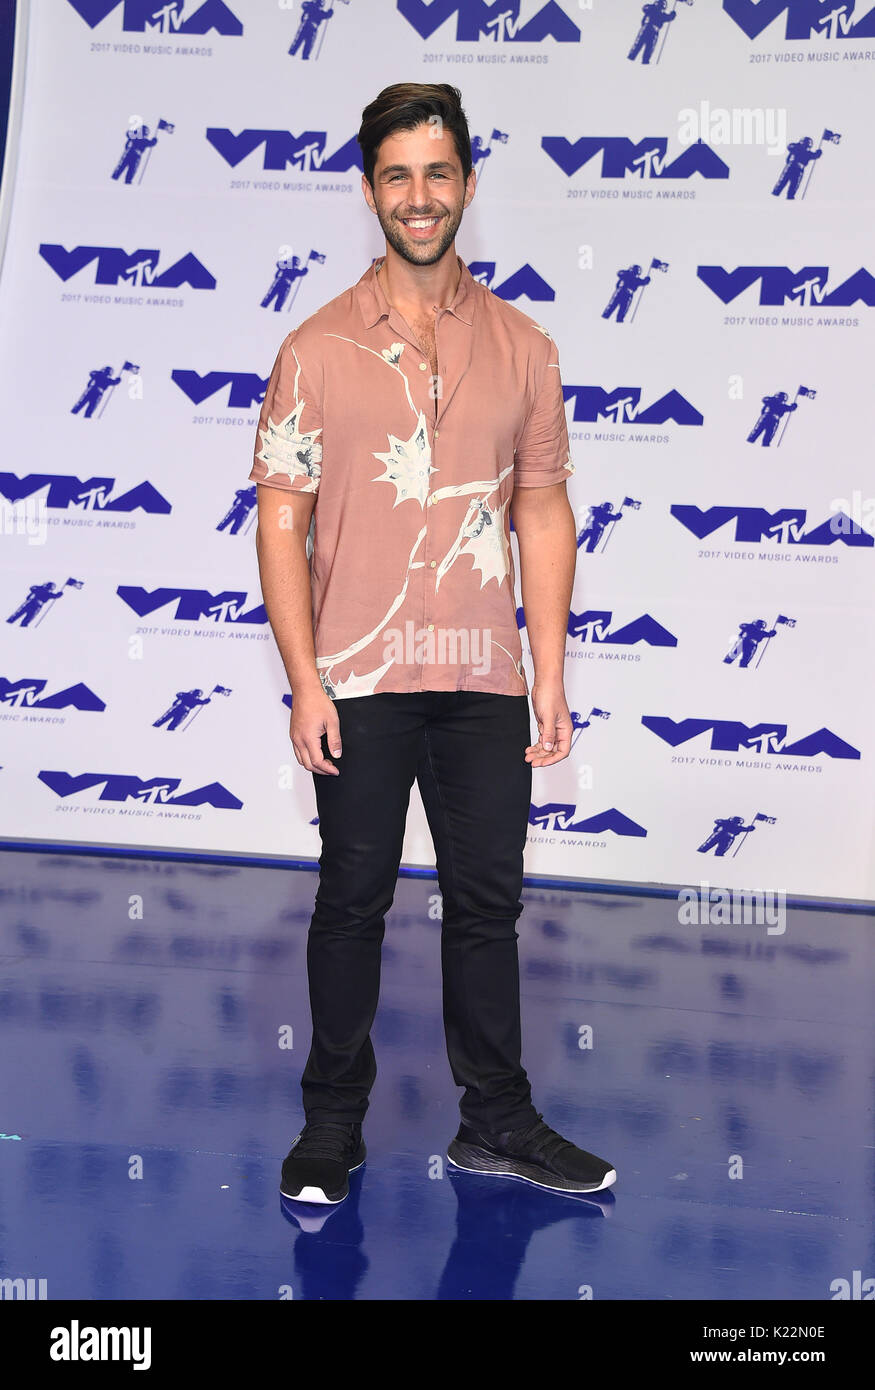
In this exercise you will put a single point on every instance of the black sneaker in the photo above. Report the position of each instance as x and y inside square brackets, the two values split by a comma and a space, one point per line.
[317, 1166]
[535, 1153]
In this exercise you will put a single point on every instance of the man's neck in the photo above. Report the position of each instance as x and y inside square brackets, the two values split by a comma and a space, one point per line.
[419, 290]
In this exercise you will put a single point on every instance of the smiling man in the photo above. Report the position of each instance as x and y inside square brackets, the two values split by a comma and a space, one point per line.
[403, 425]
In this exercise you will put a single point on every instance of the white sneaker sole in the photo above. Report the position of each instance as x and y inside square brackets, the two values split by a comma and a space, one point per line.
[525, 1172]
[316, 1194]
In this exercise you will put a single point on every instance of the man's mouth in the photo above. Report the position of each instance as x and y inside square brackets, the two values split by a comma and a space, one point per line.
[420, 226]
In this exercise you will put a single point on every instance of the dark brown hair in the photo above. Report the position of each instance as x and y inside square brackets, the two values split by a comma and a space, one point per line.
[407, 105]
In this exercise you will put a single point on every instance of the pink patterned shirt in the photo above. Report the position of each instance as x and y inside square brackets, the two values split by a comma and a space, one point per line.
[411, 568]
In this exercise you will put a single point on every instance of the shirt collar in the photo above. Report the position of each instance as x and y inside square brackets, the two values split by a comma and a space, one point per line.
[374, 305]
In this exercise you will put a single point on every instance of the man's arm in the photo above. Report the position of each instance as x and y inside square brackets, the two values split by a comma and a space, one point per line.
[281, 547]
[547, 536]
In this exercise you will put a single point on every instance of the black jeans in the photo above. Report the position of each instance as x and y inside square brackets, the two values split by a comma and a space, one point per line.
[466, 751]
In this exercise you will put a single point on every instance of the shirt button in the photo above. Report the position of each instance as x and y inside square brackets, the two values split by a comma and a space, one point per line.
[436, 433]
[431, 627]
[422, 366]
[433, 563]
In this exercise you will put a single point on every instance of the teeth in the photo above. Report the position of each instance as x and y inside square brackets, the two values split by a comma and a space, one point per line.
[420, 222]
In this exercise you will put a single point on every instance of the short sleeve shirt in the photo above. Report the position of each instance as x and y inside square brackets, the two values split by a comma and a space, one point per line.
[412, 574]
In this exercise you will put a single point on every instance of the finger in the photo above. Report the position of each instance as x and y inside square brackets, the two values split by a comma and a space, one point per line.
[319, 763]
[549, 732]
[539, 756]
[548, 759]
[563, 739]
[332, 735]
[302, 756]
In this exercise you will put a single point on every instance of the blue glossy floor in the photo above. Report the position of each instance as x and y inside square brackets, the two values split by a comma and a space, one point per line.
[154, 1024]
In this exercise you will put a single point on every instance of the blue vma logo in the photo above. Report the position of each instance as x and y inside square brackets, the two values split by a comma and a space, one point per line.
[731, 736]
[282, 150]
[477, 18]
[173, 17]
[524, 283]
[117, 786]
[806, 19]
[594, 625]
[622, 405]
[753, 525]
[28, 694]
[780, 285]
[88, 494]
[646, 159]
[559, 816]
[245, 389]
[116, 266]
[193, 605]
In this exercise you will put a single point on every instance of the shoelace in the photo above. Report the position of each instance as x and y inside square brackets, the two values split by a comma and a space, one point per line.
[325, 1141]
[540, 1135]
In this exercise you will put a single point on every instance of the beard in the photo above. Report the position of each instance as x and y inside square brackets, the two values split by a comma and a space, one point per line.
[416, 252]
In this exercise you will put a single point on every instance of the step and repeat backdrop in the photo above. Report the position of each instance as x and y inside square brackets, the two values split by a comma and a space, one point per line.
[680, 193]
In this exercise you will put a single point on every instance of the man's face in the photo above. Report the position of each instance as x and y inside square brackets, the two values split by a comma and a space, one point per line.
[419, 194]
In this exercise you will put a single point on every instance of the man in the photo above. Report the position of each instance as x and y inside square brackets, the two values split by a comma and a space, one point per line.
[401, 424]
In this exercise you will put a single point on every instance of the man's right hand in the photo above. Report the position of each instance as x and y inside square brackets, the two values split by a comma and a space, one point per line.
[314, 714]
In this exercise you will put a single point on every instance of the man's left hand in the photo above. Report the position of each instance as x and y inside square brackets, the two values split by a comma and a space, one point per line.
[554, 724]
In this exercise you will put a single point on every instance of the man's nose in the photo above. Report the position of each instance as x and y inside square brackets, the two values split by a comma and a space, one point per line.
[419, 194]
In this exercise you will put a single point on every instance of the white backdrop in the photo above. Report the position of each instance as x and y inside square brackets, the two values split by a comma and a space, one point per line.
[175, 264]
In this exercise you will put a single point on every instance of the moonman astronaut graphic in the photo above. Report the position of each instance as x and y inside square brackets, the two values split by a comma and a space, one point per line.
[799, 156]
[628, 281]
[312, 15]
[98, 382]
[749, 637]
[244, 501]
[38, 596]
[597, 519]
[724, 835]
[479, 151]
[654, 17]
[579, 722]
[183, 704]
[774, 409]
[288, 269]
[136, 141]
